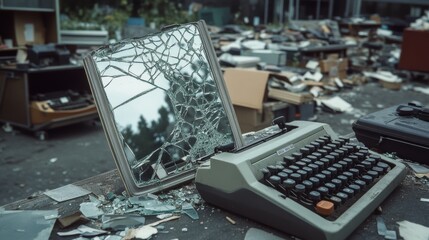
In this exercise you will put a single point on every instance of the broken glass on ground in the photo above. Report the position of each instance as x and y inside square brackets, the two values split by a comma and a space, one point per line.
[150, 205]
[164, 103]
[90, 210]
[383, 231]
[156, 208]
[118, 222]
[189, 210]
[27, 224]
[144, 232]
[83, 231]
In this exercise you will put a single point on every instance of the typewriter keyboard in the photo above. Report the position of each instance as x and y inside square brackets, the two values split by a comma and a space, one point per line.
[326, 175]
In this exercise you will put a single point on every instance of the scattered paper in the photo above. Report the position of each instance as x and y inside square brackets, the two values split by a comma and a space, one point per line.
[422, 22]
[383, 76]
[66, 193]
[422, 90]
[337, 104]
[29, 32]
[396, 53]
[21, 56]
[384, 32]
[317, 76]
[253, 44]
[338, 82]
[303, 44]
[312, 64]
[295, 79]
[148, 230]
[315, 91]
[413, 231]
[144, 232]
[235, 44]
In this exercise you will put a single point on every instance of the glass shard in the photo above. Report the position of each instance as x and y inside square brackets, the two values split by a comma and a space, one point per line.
[27, 224]
[144, 232]
[118, 222]
[189, 210]
[84, 231]
[90, 210]
[163, 103]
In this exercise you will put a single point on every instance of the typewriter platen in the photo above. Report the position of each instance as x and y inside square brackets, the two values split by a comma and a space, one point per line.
[306, 182]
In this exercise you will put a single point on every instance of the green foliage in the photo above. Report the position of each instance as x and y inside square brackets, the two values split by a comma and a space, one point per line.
[164, 12]
[111, 15]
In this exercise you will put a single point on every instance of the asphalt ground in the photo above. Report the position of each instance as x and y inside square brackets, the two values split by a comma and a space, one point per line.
[30, 166]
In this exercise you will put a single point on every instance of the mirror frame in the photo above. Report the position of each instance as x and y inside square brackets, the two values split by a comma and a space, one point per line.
[114, 137]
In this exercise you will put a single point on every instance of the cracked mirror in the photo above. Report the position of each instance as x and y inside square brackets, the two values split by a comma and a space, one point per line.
[163, 105]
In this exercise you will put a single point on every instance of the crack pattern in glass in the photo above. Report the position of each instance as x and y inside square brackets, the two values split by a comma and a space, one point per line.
[165, 102]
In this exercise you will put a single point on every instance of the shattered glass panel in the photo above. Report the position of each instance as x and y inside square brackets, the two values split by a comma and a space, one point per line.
[27, 224]
[165, 102]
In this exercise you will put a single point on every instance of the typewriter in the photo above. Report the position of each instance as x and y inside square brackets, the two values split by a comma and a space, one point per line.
[304, 181]
[63, 100]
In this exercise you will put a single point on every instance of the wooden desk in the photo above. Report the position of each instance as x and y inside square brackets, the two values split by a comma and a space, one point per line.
[17, 85]
[403, 204]
[321, 52]
[354, 28]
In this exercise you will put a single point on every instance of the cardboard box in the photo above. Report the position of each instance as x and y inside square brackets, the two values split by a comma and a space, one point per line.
[251, 119]
[248, 88]
[249, 92]
[341, 75]
[342, 64]
[290, 97]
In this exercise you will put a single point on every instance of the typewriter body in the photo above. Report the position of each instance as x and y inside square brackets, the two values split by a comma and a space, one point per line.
[240, 182]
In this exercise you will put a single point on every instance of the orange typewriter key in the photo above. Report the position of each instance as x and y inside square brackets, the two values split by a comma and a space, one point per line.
[324, 208]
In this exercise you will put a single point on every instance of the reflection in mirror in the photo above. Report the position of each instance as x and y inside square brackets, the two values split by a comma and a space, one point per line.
[164, 101]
